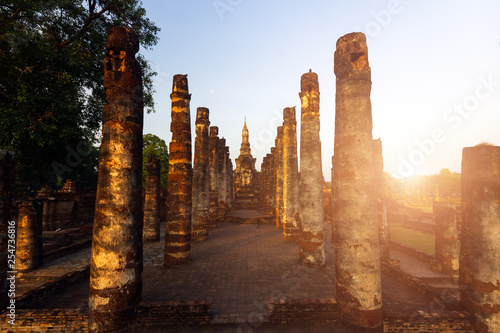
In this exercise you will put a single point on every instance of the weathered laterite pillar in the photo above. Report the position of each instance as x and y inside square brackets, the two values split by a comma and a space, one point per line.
[312, 248]
[272, 184]
[378, 168]
[201, 178]
[480, 238]
[279, 178]
[180, 177]
[291, 219]
[223, 174]
[357, 253]
[7, 187]
[230, 181]
[29, 242]
[446, 237]
[151, 232]
[213, 160]
[116, 261]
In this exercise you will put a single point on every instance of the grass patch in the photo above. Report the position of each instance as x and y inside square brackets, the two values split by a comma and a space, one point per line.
[417, 239]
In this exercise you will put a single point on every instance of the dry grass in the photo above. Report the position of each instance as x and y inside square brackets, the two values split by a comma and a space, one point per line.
[417, 239]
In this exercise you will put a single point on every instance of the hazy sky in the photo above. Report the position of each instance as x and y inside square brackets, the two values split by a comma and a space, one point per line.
[435, 71]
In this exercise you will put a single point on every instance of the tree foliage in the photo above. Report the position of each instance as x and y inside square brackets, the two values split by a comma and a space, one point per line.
[51, 81]
[157, 146]
[446, 184]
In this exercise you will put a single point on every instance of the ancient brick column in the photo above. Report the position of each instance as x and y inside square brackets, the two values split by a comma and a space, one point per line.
[291, 219]
[7, 187]
[229, 181]
[263, 185]
[213, 161]
[180, 177]
[201, 178]
[272, 183]
[223, 180]
[29, 242]
[357, 253]
[151, 231]
[278, 205]
[312, 249]
[332, 199]
[378, 165]
[480, 238]
[116, 261]
[446, 241]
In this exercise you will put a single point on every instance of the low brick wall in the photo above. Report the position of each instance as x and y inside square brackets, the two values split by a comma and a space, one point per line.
[428, 258]
[168, 314]
[292, 311]
[46, 320]
[429, 322]
[149, 316]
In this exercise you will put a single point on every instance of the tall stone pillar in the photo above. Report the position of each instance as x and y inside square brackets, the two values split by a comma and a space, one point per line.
[151, 232]
[7, 187]
[272, 184]
[269, 184]
[229, 181]
[312, 248]
[279, 178]
[263, 185]
[29, 242]
[291, 219]
[480, 238]
[180, 177]
[334, 228]
[116, 261]
[201, 177]
[378, 168]
[357, 253]
[221, 211]
[213, 160]
[446, 237]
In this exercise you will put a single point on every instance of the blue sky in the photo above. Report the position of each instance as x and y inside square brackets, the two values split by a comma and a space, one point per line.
[435, 71]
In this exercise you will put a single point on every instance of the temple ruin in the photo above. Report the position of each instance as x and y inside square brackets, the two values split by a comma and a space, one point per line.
[312, 249]
[480, 249]
[201, 180]
[246, 181]
[116, 262]
[180, 177]
[357, 252]
[151, 228]
[285, 251]
[291, 215]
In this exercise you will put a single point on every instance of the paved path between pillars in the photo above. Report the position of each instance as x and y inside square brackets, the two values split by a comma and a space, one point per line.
[239, 268]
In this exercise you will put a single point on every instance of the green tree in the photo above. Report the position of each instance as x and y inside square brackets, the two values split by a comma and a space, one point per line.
[153, 144]
[51, 82]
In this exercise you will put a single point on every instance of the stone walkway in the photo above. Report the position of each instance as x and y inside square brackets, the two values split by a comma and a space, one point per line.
[239, 269]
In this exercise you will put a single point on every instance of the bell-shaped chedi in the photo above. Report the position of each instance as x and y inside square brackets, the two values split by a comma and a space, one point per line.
[246, 182]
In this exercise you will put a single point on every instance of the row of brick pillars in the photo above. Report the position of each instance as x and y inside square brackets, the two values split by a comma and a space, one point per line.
[116, 261]
[195, 202]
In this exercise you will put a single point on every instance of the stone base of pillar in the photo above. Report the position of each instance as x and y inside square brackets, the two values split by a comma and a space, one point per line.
[362, 320]
[312, 248]
[199, 231]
